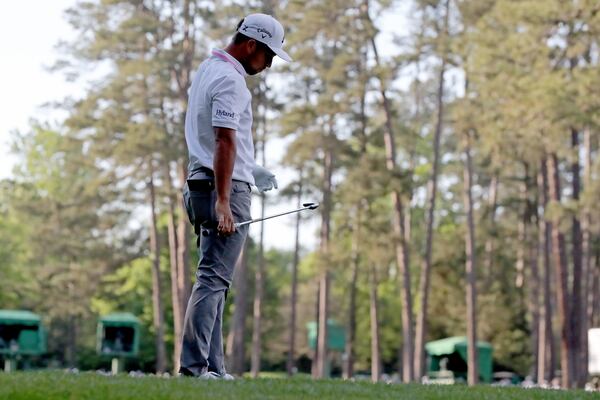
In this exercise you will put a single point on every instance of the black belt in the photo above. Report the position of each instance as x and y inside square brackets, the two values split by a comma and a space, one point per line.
[206, 185]
[201, 185]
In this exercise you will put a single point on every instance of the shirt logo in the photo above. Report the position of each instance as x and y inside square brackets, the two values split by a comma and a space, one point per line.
[222, 113]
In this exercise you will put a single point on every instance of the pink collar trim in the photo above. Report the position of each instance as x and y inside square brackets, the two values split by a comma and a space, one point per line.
[223, 55]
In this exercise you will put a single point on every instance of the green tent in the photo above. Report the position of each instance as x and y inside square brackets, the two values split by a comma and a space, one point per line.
[21, 333]
[118, 335]
[454, 350]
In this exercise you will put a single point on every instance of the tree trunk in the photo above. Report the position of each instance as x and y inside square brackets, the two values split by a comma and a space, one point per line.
[259, 132]
[157, 307]
[182, 71]
[587, 279]
[348, 372]
[259, 277]
[313, 366]
[595, 309]
[71, 348]
[348, 366]
[258, 296]
[409, 198]
[489, 243]
[522, 241]
[182, 76]
[473, 370]
[533, 282]
[182, 240]
[183, 233]
[545, 367]
[322, 352]
[290, 366]
[562, 277]
[576, 311]
[375, 345]
[407, 317]
[421, 332]
[527, 254]
[172, 198]
[235, 339]
[178, 311]
[401, 247]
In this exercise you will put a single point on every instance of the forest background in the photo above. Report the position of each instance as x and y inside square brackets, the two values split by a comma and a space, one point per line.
[453, 148]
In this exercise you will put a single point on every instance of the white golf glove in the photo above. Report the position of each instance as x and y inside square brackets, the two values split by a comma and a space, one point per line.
[263, 179]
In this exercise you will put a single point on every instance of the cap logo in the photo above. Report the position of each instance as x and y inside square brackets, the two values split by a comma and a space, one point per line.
[259, 29]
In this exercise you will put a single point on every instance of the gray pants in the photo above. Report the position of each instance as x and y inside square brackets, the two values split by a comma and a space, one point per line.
[202, 347]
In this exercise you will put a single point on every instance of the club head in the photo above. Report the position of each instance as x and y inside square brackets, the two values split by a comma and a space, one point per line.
[311, 206]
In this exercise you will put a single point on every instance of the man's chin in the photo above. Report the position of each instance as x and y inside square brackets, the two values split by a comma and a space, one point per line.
[251, 71]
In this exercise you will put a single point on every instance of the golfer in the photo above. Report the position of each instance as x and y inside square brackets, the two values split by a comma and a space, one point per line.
[218, 132]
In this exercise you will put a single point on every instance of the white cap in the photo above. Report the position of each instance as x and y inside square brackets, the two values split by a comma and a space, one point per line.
[267, 30]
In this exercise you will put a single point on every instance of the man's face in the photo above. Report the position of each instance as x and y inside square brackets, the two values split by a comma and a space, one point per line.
[259, 57]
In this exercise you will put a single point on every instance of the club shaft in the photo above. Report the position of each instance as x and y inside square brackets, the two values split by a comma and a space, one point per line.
[269, 217]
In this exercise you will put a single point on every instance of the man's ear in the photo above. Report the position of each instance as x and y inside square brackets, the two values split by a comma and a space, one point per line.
[251, 46]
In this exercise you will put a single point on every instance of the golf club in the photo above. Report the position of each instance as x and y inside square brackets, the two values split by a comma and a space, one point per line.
[305, 206]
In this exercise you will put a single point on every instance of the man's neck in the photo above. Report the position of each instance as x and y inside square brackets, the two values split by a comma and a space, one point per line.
[233, 51]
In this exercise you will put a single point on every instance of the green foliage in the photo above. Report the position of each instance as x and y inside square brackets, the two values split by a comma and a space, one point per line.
[64, 218]
[520, 76]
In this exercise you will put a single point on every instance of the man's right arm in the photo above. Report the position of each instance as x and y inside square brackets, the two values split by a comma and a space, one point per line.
[223, 162]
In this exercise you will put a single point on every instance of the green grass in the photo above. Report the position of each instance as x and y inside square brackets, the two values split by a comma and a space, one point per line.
[86, 386]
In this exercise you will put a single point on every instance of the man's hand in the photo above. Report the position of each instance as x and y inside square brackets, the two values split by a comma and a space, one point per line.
[263, 179]
[226, 225]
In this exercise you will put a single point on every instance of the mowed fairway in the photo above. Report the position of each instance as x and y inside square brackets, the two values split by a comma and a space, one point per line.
[87, 386]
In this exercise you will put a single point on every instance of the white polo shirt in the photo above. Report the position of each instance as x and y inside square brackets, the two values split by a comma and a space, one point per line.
[219, 97]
